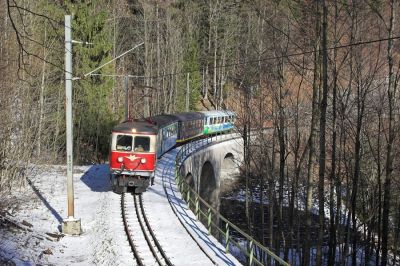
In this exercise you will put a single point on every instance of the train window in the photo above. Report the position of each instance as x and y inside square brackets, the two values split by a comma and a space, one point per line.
[124, 143]
[142, 144]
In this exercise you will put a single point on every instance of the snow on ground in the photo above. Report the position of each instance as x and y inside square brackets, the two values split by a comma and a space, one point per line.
[30, 225]
[43, 205]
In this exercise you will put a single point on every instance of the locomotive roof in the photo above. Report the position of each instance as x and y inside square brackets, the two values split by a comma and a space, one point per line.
[217, 113]
[187, 116]
[163, 120]
[139, 126]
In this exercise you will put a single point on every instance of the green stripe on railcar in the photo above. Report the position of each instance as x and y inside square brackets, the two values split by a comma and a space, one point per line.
[217, 128]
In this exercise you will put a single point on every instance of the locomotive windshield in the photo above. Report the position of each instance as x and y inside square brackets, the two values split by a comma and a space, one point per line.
[124, 143]
[142, 144]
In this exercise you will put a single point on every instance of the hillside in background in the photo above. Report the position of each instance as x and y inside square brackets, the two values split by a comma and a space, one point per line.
[321, 75]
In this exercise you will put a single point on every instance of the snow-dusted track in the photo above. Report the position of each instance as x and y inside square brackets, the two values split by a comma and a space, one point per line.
[184, 239]
[104, 241]
[143, 242]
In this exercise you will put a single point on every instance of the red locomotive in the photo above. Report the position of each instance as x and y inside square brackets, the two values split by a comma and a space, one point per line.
[133, 155]
[136, 145]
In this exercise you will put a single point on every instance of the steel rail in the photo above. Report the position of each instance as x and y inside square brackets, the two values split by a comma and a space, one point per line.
[183, 225]
[141, 214]
[127, 231]
[166, 259]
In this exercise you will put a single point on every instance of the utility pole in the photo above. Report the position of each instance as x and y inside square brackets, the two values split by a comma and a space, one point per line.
[70, 225]
[127, 115]
[187, 93]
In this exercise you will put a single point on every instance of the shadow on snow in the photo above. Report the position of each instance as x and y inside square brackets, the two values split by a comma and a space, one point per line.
[97, 178]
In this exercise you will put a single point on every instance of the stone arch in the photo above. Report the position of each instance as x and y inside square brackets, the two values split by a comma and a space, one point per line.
[209, 188]
[190, 180]
[228, 163]
[229, 174]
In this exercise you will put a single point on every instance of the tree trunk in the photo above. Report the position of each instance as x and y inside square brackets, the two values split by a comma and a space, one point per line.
[322, 137]
[311, 155]
[332, 228]
[391, 93]
[41, 99]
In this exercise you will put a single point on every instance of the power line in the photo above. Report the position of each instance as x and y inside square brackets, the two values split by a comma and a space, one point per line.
[117, 75]
[121, 55]
[255, 60]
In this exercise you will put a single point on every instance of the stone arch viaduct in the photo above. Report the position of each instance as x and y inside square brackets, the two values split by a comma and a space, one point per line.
[212, 166]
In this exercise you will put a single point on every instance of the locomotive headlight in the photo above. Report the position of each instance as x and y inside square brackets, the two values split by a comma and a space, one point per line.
[143, 160]
[120, 159]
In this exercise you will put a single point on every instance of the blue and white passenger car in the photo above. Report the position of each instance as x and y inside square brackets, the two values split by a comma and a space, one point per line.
[218, 121]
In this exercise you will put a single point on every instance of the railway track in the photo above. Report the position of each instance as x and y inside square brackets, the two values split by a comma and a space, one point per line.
[144, 244]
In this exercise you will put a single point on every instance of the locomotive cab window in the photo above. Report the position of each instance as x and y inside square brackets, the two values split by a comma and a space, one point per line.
[124, 143]
[142, 144]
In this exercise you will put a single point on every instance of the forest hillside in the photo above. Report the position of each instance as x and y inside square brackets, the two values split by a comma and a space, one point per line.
[321, 75]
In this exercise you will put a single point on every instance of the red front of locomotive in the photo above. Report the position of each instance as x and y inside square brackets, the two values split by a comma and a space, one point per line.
[132, 161]
[132, 156]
